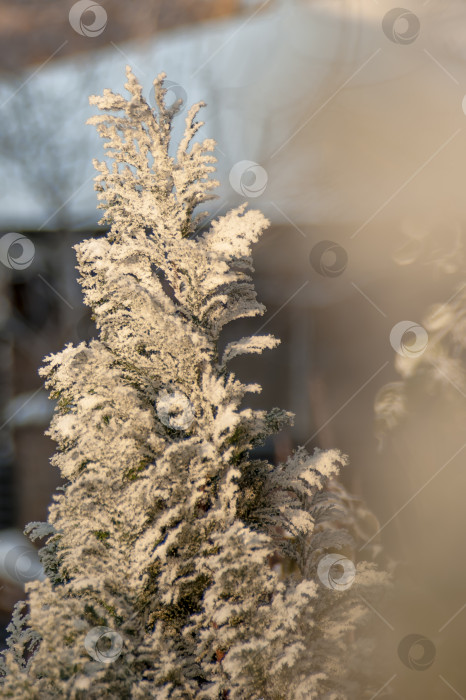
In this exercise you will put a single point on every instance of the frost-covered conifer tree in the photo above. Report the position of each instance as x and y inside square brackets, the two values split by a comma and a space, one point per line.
[159, 581]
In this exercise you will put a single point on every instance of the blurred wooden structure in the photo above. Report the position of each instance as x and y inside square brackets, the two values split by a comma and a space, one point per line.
[33, 30]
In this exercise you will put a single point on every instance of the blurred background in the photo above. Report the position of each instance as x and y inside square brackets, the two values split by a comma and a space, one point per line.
[344, 122]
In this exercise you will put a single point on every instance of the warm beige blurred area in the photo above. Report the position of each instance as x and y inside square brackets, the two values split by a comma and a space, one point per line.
[344, 121]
